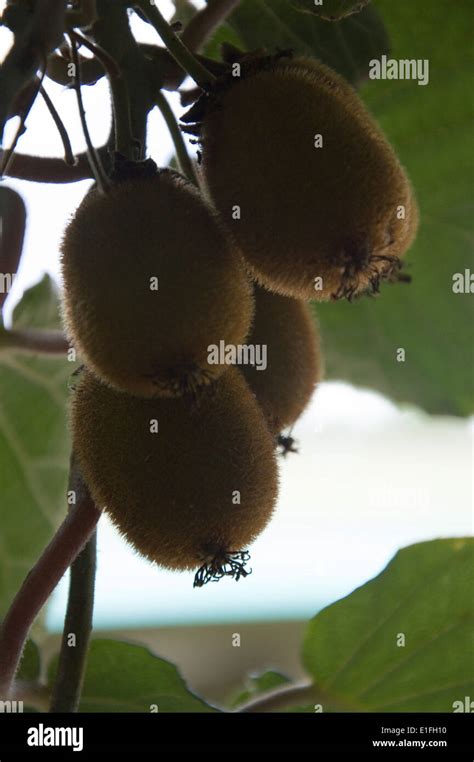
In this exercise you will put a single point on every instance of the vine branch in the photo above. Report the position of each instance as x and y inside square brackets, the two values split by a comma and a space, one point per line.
[45, 169]
[68, 541]
[180, 52]
[34, 341]
[201, 27]
[40, 33]
[78, 622]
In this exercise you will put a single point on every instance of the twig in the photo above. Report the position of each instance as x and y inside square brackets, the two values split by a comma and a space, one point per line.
[68, 154]
[176, 47]
[78, 622]
[34, 341]
[45, 169]
[41, 34]
[201, 27]
[8, 154]
[68, 541]
[108, 63]
[185, 164]
[96, 166]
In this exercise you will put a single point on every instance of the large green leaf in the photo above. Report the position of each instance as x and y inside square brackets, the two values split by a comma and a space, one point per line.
[121, 677]
[353, 649]
[430, 127]
[34, 444]
[347, 46]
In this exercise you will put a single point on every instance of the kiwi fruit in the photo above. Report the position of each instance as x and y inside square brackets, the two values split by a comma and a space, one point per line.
[287, 328]
[304, 178]
[151, 279]
[193, 494]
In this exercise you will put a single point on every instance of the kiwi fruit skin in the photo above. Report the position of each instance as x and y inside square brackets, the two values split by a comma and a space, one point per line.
[152, 341]
[306, 213]
[171, 493]
[294, 365]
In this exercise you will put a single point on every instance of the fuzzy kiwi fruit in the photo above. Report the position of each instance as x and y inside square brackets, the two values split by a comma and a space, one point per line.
[304, 178]
[286, 327]
[188, 485]
[151, 279]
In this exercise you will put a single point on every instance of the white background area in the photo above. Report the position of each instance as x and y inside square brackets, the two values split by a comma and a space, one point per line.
[370, 477]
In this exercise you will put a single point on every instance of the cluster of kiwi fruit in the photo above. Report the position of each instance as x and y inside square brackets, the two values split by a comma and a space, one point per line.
[180, 452]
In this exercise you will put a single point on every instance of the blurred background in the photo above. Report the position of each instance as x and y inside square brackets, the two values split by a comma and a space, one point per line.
[370, 476]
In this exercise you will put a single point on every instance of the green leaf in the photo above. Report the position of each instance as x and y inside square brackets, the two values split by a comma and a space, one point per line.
[330, 10]
[353, 648]
[121, 677]
[257, 684]
[39, 307]
[430, 126]
[347, 46]
[34, 444]
[30, 666]
[225, 33]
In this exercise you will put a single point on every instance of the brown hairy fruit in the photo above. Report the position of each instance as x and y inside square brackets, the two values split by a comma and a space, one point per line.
[172, 493]
[287, 328]
[151, 280]
[315, 221]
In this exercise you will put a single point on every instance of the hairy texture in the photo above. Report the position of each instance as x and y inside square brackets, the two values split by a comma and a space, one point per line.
[172, 493]
[315, 222]
[137, 338]
[294, 366]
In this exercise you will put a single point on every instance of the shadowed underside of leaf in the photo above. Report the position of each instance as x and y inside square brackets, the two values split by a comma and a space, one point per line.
[347, 46]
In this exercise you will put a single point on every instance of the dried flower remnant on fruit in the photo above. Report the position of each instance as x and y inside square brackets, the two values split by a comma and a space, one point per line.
[287, 444]
[229, 564]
